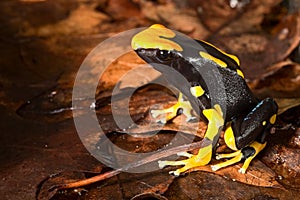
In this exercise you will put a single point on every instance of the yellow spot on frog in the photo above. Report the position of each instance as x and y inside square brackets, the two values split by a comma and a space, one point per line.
[157, 26]
[226, 54]
[229, 138]
[212, 58]
[155, 37]
[273, 119]
[215, 121]
[197, 91]
[264, 123]
[239, 72]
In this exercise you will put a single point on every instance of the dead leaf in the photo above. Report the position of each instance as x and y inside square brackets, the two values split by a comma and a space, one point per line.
[285, 161]
[287, 103]
[46, 188]
[147, 183]
[214, 14]
[148, 195]
[174, 18]
[74, 24]
[249, 17]
[120, 9]
[282, 83]
[203, 185]
[257, 174]
[52, 105]
[260, 50]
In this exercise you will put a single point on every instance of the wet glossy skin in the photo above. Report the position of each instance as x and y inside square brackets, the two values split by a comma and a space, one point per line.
[213, 83]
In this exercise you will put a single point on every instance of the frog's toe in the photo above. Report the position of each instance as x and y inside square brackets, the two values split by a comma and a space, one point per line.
[235, 157]
[156, 113]
[162, 164]
[215, 167]
[191, 119]
[161, 121]
[185, 154]
[218, 157]
[192, 162]
[177, 172]
[242, 171]
[187, 165]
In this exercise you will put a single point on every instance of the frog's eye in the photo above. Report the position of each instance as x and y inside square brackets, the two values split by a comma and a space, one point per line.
[163, 55]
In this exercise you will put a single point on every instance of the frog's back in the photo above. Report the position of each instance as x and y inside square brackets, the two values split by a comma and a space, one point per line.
[239, 98]
[222, 86]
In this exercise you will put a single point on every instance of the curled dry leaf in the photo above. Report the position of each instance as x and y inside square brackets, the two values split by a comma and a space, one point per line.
[145, 185]
[287, 103]
[259, 51]
[249, 17]
[285, 162]
[47, 190]
[174, 18]
[148, 195]
[257, 174]
[214, 14]
[283, 83]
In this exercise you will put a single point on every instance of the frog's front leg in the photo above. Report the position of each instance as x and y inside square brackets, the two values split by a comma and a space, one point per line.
[247, 134]
[182, 106]
[215, 125]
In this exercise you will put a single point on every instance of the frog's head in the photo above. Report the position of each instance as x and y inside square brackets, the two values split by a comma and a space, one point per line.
[154, 45]
[160, 45]
[173, 54]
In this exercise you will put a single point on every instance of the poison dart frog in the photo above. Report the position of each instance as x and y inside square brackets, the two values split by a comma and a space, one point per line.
[215, 87]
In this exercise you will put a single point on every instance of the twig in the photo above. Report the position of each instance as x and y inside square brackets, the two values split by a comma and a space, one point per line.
[157, 156]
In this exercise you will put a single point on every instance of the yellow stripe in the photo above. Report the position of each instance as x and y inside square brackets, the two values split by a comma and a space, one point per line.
[229, 138]
[155, 37]
[212, 58]
[204, 154]
[226, 54]
[239, 72]
[273, 119]
[197, 91]
[215, 121]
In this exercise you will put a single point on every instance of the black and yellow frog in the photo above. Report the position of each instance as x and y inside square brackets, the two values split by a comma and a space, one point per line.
[216, 88]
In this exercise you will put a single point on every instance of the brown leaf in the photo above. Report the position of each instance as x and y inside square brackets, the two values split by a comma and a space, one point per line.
[249, 17]
[287, 103]
[257, 174]
[285, 161]
[52, 105]
[174, 18]
[148, 195]
[75, 23]
[283, 83]
[203, 185]
[261, 49]
[120, 9]
[147, 183]
[214, 14]
[46, 190]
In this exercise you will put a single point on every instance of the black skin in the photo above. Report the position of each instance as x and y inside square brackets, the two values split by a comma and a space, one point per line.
[222, 85]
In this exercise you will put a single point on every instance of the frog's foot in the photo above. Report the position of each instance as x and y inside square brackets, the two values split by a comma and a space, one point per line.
[192, 161]
[235, 157]
[247, 154]
[181, 106]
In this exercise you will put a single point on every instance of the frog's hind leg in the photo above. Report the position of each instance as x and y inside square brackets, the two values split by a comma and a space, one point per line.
[254, 126]
[215, 125]
[247, 134]
[247, 154]
[182, 106]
